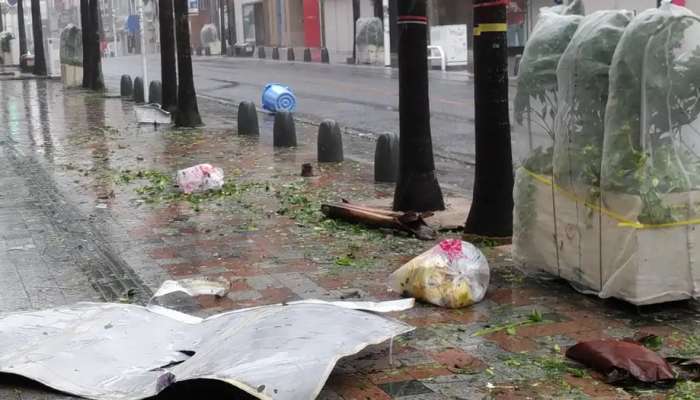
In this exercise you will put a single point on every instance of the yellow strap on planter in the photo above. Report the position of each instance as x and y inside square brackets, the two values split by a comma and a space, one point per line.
[622, 221]
[490, 28]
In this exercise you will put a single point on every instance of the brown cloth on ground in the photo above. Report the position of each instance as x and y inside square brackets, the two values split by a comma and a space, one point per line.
[619, 360]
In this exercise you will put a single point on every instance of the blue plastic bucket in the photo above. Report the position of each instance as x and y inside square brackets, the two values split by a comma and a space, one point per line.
[278, 97]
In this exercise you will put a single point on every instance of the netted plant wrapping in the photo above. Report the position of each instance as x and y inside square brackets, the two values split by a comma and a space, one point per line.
[652, 128]
[5, 45]
[623, 202]
[583, 82]
[650, 170]
[535, 104]
[71, 46]
[208, 35]
[535, 108]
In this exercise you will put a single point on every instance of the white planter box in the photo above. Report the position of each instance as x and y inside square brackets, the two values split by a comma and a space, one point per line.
[71, 75]
[595, 253]
[534, 238]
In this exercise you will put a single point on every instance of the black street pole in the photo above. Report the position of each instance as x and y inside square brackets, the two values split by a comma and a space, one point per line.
[417, 188]
[232, 22]
[491, 213]
[222, 28]
[22, 35]
[355, 17]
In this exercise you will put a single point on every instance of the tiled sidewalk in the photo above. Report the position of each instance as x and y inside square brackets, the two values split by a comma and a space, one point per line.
[267, 238]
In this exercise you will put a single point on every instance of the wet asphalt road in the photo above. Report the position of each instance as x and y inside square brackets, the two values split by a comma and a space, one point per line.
[363, 98]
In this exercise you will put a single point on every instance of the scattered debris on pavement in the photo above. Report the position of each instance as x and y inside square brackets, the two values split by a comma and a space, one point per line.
[195, 287]
[410, 222]
[152, 114]
[619, 360]
[200, 178]
[452, 274]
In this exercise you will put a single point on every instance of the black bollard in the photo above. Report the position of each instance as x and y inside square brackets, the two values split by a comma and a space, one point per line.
[290, 54]
[386, 158]
[207, 51]
[284, 131]
[261, 52]
[155, 92]
[248, 119]
[307, 55]
[138, 90]
[126, 88]
[275, 53]
[330, 142]
[325, 56]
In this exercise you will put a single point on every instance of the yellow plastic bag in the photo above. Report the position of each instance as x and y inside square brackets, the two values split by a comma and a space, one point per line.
[453, 274]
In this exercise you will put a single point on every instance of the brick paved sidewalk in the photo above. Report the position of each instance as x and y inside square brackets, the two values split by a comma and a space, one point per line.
[87, 210]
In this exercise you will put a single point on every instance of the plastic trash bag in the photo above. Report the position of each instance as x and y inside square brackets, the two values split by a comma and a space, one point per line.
[200, 178]
[452, 274]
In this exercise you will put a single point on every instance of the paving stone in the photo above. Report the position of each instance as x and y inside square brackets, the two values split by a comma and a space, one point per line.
[260, 282]
[244, 295]
[406, 388]
[301, 285]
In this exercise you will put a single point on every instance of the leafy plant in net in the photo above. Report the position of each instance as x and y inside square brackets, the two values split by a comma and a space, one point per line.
[72, 46]
[583, 82]
[208, 34]
[5, 38]
[537, 80]
[655, 100]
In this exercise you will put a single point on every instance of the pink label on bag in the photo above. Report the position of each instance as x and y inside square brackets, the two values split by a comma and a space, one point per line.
[451, 247]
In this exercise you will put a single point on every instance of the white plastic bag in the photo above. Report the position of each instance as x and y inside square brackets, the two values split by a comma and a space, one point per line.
[452, 274]
[200, 178]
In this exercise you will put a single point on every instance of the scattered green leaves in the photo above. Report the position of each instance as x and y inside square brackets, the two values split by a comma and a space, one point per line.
[686, 390]
[652, 342]
[690, 347]
[551, 366]
[161, 187]
[535, 317]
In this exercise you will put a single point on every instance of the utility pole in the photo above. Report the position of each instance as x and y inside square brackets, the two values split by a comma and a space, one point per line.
[144, 65]
[491, 213]
[114, 29]
[387, 33]
[417, 188]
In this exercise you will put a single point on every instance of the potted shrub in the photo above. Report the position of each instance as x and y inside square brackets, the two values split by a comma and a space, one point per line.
[71, 56]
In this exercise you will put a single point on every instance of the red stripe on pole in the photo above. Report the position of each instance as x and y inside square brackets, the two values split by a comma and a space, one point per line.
[412, 18]
[493, 4]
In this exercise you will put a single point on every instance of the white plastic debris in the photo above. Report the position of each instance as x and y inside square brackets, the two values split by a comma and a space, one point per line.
[200, 178]
[129, 352]
[194, 287]
[452, 274]
[152, 114]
